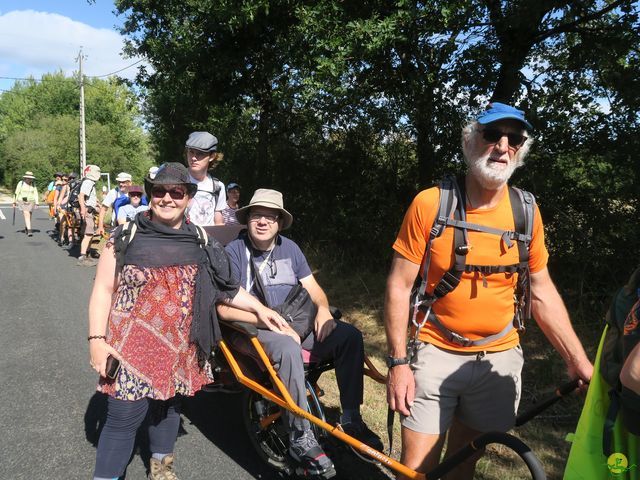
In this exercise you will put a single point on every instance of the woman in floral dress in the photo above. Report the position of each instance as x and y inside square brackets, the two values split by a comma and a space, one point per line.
[153, 309]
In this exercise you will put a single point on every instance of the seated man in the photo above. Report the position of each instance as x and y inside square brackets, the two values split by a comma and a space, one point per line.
[281, 265]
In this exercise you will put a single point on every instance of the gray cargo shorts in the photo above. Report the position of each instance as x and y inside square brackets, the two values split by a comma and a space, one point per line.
[482, 390]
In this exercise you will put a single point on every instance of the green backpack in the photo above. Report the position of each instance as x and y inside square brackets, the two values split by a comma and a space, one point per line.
[616, 348]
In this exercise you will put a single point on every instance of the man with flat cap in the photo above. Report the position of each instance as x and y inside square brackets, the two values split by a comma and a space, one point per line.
[202, 157]
[476, 247]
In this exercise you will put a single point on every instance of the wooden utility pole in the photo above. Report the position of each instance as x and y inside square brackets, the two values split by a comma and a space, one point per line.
[83, 147]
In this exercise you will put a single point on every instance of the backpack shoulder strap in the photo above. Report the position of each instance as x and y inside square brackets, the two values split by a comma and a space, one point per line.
[216, 190]
[123, 239]
[203, 238]
[448, 200]
[523, 209]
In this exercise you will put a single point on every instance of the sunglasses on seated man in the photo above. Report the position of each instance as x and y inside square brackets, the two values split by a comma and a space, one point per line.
[493, 135]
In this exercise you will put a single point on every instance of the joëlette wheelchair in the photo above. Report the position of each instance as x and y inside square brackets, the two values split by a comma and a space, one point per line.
[247, 369]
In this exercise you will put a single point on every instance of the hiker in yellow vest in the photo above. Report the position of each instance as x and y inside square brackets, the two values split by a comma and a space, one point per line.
[26, 198]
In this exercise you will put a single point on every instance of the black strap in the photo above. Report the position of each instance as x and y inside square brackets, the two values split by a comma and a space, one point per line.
[446, 205]
[261, 291]
[522, 207]
[609, 422]
[391, 415]
[451, 279]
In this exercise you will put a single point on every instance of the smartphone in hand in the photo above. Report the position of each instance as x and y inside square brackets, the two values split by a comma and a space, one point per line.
[113, 367]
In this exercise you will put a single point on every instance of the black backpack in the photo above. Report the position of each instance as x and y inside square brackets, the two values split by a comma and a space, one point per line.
[74, 191]
[615, 350]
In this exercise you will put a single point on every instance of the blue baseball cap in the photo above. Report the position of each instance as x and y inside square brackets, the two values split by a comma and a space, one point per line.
[232, 185]
[500, 111]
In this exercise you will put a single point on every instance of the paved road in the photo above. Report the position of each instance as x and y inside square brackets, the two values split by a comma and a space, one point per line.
[50, 411]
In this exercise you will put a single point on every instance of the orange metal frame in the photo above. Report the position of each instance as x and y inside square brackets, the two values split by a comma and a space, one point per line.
[284, 400]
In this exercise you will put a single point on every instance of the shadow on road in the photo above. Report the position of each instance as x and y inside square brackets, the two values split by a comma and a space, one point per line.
[94, 417]
[218, 417]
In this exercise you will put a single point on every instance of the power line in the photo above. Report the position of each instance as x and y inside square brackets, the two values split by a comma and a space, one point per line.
[88, 76]
[117, 71]
[15, 78]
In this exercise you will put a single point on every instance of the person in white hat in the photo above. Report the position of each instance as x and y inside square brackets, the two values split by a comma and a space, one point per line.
[211, 198]
[26, 198]
[88, 200]
[124, 181]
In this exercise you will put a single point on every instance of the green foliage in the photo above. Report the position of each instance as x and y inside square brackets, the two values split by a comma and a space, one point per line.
[39, 125]
[352, 107]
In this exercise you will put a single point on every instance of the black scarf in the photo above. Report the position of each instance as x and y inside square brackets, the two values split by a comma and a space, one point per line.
[157, 245]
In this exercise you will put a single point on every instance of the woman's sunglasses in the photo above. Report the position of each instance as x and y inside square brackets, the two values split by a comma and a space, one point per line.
[174, 193]
[493, 135]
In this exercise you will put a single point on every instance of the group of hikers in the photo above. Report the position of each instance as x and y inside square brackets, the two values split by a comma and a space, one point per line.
[469, 266]
[81, 218]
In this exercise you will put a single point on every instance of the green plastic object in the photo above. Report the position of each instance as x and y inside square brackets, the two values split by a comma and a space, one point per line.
[586, 460]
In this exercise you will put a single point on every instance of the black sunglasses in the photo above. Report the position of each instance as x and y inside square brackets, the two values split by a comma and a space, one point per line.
[493, 135]
[174, 193]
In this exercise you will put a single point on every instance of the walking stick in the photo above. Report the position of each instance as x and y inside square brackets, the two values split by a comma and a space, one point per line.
[13, 222]
[546, 402]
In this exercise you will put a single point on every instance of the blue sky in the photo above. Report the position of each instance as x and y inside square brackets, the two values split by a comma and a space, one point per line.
[38, 37]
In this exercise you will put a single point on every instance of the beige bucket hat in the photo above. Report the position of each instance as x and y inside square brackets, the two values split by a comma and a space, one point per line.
[264, 197]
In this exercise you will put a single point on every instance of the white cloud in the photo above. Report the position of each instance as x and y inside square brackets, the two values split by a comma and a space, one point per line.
[33, 43]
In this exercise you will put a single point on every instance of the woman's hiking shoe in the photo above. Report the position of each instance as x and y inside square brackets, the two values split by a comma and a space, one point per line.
[312, 460]
[162, 469]
[360, 431]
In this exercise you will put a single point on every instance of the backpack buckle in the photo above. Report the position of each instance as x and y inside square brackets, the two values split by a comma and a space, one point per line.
[459, 339]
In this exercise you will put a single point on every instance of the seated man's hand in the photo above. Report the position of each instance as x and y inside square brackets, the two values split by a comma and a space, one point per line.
[324, 326]
[274, 322]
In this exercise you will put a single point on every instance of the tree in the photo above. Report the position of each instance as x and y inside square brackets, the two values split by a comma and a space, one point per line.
[39, 128]
[351, 107]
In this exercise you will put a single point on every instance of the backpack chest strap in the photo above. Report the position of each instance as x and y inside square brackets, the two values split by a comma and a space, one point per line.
[506, 235]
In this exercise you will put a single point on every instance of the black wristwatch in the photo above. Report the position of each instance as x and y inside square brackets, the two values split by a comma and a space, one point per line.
[394, 362]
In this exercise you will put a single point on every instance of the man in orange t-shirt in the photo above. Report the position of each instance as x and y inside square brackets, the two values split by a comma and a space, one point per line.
[470, 387]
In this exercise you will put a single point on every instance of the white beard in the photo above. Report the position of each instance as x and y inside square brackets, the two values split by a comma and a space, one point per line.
[492, 176]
